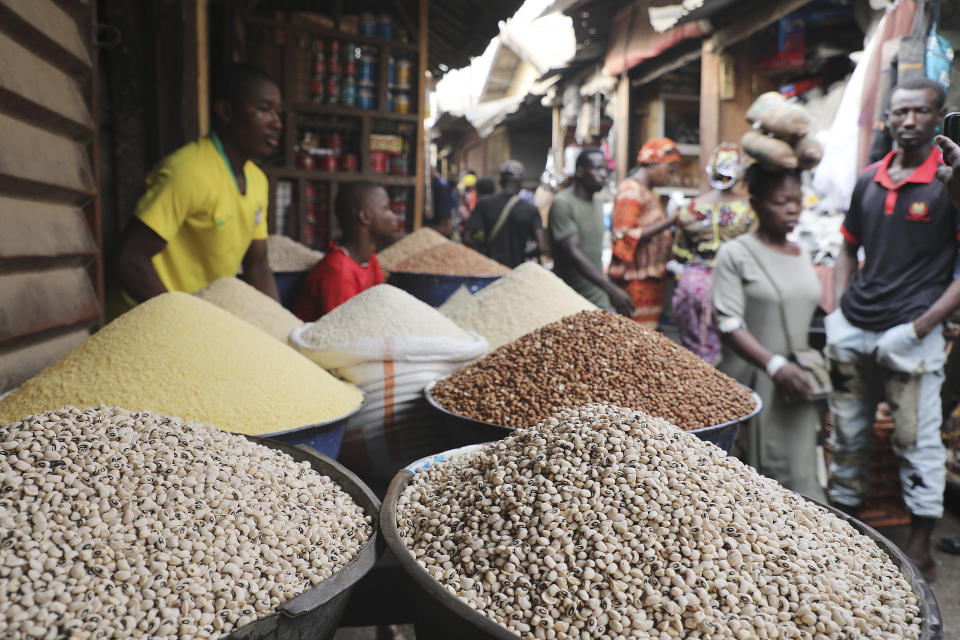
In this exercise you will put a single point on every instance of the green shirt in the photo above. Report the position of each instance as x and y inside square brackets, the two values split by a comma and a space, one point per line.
[570, 215]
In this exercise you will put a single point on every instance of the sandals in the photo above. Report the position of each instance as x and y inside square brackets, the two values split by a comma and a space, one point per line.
[949, 545]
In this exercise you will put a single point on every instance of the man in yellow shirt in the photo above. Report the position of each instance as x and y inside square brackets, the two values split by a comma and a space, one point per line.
[204, 212]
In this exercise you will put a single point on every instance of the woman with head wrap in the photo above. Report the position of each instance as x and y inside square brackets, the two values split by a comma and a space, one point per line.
[641, 231]
[764, 294]
[710, 219]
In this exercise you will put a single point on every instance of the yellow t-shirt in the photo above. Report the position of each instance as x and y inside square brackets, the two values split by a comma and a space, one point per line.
[192, 201]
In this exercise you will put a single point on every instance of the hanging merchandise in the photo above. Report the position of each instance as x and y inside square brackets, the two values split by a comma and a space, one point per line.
[939, 56]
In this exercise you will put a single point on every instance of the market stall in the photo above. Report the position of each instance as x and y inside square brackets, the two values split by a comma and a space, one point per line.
[603, 519]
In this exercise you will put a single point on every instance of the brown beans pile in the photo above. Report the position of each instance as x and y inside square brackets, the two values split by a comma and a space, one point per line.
[452, 259]
[593, 356]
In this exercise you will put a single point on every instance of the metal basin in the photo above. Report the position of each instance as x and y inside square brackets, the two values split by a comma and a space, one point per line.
[463, 430]
[316, 613]
[440, 615]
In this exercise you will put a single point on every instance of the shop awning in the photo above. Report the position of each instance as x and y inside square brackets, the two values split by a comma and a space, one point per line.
[633, 39]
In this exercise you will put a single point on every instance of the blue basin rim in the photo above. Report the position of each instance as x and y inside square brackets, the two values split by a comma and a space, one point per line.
[316, 425]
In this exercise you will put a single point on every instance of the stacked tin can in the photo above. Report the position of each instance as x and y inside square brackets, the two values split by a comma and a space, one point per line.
[318, 73]
[333, 72]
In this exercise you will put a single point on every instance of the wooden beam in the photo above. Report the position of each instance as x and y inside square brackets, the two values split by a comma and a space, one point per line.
[420, 144]
[622, 118]
[709, 101]
[196, 70]
[764, 14]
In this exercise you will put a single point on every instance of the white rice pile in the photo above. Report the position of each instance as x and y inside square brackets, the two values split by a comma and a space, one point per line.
[381, 311]
[286, 254]
[460, 297]
[522, 301]
[248, 303]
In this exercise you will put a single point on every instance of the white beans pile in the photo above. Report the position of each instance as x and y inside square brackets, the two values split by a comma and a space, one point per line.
[119, 524]
[603, 523]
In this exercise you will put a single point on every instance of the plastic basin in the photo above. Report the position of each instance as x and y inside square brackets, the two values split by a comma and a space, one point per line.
[288, 286]
[316, 613]
[324, 437]
[462, 430]
[434, 289]
[441, 615]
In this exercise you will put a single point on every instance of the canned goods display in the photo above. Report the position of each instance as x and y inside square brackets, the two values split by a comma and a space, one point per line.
[378, 161]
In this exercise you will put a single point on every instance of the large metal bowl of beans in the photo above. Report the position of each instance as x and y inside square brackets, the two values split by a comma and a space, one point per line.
[118, 523]
[433, 275]
[590, 357]
[463, 431]
[601, 522]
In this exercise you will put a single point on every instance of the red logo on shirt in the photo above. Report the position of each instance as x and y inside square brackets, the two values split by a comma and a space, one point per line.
[918, 211]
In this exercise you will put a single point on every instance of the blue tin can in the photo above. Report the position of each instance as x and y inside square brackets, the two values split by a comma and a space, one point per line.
[368, 24]
[366, 99]
[367, 69]
[385, 26]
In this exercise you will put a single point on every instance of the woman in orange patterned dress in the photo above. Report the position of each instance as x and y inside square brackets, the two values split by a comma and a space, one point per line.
[642, 241]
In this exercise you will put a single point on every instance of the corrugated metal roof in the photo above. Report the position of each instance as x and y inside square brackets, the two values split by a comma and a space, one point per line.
[666, 17]
[462, 29]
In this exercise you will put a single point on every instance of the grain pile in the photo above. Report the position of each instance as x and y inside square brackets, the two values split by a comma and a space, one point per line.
[593, 356]
[527, 298]
[247, 303]
[606, 523]
[451, 259]
[460, 297]
[379, 312]
[286, 254]
[119, 524]
[420, 240]
[178, 355]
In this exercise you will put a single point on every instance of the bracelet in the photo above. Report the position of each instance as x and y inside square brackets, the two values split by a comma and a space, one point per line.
[775, 363]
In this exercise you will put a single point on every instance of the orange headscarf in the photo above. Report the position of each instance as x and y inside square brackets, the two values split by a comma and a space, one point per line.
[658, 150]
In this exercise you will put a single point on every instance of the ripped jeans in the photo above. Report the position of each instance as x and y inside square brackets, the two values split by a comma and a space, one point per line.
[865, 368]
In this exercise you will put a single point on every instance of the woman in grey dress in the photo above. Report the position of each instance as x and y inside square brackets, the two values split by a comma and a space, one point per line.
[755, 274]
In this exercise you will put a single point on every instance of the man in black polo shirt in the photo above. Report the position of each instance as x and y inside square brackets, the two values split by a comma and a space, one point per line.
[884, 341]
[504, 226]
